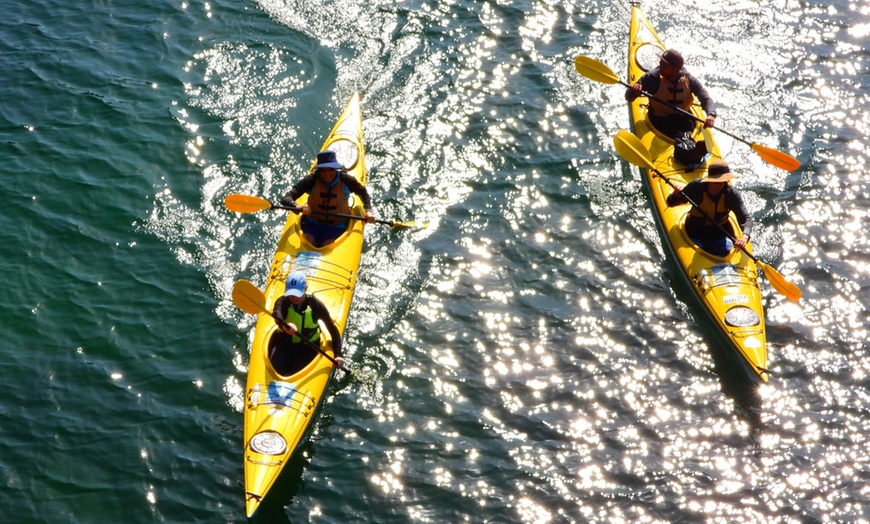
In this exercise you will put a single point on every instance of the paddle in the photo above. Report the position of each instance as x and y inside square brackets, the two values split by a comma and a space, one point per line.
[251, 300]
[597, 71]
[632, 149]
[251, 204]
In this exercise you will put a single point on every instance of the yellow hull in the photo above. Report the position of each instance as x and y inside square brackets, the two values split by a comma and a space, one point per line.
[279, 410]
[727, 288]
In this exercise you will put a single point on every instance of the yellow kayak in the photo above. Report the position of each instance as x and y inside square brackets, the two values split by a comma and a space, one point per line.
[280, 409]
[727, 288]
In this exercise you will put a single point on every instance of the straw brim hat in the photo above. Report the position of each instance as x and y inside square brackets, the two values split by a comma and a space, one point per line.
[718, 171]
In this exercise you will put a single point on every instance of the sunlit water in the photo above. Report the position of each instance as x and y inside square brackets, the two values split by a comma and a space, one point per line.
[524, 358]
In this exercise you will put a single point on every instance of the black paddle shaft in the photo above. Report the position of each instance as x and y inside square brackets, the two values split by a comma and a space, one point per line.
[295, 209]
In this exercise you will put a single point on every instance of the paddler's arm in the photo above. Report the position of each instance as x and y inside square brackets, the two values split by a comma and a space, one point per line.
[279, 313]
[681, 195]
[743, 217]
[303, 187]
[706, 101]
[676, 197]
[649, 82]
[361, 191]
[320, 313]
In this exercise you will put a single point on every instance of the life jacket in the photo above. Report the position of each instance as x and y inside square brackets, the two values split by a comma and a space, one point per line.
[331, 198]
[306, 326]
[714, 208]
[678, 94]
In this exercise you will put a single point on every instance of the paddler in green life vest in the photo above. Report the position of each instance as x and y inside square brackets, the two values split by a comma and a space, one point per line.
[328, 188]
[673, 84]
[297, 315]
[716, 197]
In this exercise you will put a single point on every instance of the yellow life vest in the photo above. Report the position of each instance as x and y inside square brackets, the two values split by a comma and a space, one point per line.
[678, 94]
[714, 208]
[305, 324]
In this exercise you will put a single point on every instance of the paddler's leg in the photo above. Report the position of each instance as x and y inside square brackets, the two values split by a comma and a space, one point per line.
[319, 234]
[669, 125]
[719, 246]
[281, 351]
[309, 230]
[288, 358]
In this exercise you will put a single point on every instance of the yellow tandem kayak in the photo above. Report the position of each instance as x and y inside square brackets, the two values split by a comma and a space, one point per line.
[280, 409]
[728, 287]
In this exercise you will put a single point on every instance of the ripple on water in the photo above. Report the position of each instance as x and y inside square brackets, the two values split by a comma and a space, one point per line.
[526, 355]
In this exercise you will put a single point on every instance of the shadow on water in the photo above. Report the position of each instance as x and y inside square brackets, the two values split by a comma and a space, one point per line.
[289, 482]
[285, 488]
[738, 386]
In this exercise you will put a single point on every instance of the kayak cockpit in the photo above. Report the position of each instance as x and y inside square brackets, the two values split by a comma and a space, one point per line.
[286, 357]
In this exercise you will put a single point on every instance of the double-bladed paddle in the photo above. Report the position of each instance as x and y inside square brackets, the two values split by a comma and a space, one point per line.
[597, 71]
[251, 204]
[251, 300]
[632, 149]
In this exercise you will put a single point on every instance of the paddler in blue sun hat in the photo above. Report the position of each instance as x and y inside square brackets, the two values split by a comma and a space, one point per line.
[672, 83]
[716, 197]
[328, 188]
[299, 315]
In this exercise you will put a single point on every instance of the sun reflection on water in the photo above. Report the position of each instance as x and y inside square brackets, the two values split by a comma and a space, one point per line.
[535, 363]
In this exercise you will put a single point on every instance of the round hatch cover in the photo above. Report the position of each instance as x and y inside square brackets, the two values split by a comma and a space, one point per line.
[346, 151]
[268, 443]
[741, 316]
[647, 56]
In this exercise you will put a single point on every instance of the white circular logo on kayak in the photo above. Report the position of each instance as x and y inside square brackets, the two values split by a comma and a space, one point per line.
[268, 443]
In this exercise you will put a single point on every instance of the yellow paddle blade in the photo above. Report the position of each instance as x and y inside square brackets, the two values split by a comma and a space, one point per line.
[776, 158]
[249, 298]
[786, 288]
[632, 149]
[410, 223]
[246, 203]
[707, 133]
[595, 70]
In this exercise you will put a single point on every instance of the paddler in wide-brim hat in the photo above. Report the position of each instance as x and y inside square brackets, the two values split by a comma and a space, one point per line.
[714, 197]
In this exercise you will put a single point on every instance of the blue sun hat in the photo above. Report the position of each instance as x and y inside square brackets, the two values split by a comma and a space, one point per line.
[296, 284]
[327, 158]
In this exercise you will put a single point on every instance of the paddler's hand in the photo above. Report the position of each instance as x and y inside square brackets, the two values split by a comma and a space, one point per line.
[711, 119]
[370, 217]
[678, 190]
[634, 91]
[306, 210]
[339, 361]
[740, 243]
[290, 329]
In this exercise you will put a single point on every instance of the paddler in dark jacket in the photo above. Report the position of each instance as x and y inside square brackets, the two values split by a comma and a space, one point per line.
[297, 315]
[328, 188]
[670, 82]
[716, 197]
